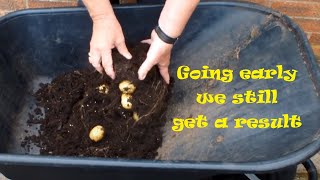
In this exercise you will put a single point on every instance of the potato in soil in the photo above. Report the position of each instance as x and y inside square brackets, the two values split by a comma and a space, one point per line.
[74, 104]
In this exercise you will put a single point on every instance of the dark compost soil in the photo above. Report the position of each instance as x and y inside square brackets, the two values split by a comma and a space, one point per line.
[73, 105]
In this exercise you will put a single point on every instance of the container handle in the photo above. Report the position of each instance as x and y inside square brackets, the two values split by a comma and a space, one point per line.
[311, 169]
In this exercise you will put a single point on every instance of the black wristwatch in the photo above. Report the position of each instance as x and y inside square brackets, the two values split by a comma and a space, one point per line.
[164, 37]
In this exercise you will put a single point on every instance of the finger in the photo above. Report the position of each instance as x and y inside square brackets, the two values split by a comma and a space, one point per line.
[145, 68]
[108, 65]
[147, 41]
[123, 50]
[98, 67]
[95, 60]
[164, 71]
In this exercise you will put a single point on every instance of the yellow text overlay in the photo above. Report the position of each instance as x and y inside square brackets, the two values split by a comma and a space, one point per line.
[285, 121]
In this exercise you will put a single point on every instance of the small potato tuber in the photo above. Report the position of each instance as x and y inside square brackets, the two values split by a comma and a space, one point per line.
[125, 101]
[97, 133]
[135, 116]
[104, 89]
[127, 87]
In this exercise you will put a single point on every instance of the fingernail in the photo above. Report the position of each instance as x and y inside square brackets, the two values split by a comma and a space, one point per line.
[110, 75]
[129, 56]
[142, 77]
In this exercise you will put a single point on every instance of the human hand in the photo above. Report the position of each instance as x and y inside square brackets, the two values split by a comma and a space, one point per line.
[159, 54]
[107, 34]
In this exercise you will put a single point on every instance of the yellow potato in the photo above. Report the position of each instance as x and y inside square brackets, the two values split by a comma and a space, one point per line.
[135, 116]
[127, 87]
[104, 89]
[97, 133]
[125, 101]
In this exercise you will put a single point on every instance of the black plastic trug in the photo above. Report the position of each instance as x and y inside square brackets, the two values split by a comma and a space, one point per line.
[37, 45]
